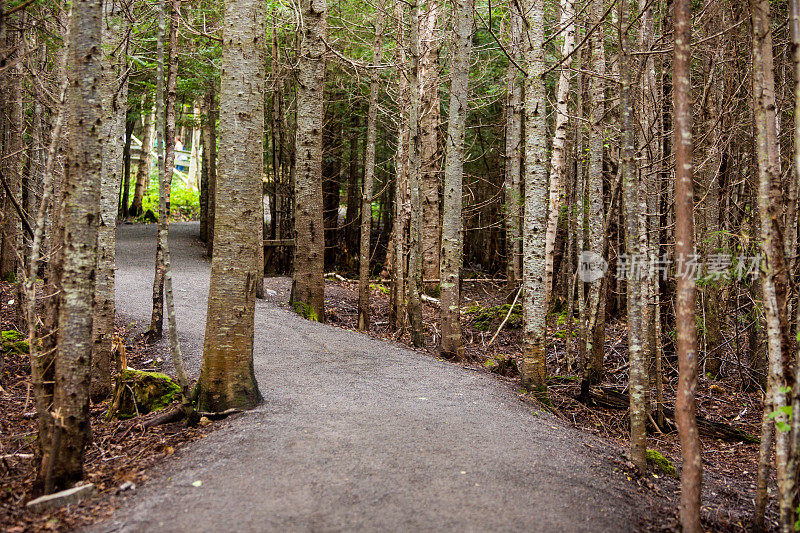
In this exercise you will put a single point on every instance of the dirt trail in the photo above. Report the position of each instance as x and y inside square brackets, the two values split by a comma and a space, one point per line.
[359, 434]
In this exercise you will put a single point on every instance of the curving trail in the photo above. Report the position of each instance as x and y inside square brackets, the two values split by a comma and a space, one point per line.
[359, 434]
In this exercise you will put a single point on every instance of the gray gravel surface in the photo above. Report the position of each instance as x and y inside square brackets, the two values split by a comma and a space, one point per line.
[359, 434]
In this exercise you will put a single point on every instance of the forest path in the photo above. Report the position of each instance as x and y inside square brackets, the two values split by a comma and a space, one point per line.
[359, 434]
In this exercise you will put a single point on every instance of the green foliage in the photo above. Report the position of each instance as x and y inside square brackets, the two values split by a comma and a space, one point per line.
[137, 392]
[184, 199]
[305, 311]
[661, 463]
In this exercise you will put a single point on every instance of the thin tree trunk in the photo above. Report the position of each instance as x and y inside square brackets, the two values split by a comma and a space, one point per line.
[402, 204]
[685, 299]
[452, 223]
[227, 379]
[369, 173]
[770, 208]
[145, 158]
[558, 157]
[534, 363]
[115, 109]
[513, 153]
[124, 210]
[595, 326]
[308, 284]
[415, 185]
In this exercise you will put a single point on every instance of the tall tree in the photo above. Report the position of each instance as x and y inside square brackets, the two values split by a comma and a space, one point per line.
[308, 283]
[452, 223]
[558, 157]
[513, 151]
[595, 309]
[115, 109]
[145, 158]
[685, 404]
[64, 443]
[534, 365]
[227, 379]
[415, 250]
[369, 172]
[770, 210]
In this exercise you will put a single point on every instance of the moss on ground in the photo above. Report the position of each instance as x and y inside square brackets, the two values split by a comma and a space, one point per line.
[661, 463]
[138, 392]
[486, 318]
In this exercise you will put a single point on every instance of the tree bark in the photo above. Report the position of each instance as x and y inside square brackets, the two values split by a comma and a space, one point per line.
[415, 251]
[62, 465]
[145, 158]
[369, 173]
[115, 109]
[308, 284]
[452, 222]
[685, 299]
[558, 157]
[227, 379]
[513, 152]
[534, 363]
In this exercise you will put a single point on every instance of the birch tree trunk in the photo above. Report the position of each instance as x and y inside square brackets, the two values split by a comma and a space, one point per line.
[430, 152]
[685, 403]
[145, 159]
[513, 152]
[63, 447]
[595, 327]
[534, 363]
[770, 209]
[227, 379]
[558, 156]
[115, 109]
[415, 185]
[369, 173]
[308, 284]
[452, 223]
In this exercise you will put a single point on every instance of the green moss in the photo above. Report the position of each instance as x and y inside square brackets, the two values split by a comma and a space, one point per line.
[139, 392]
[505, 365]
[306, 311]
[661, 463]
[434, 291]
[495, 315]
[14, 341]
[383, 289]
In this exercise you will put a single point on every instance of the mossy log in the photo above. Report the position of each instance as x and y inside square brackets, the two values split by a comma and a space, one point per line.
[137, 393]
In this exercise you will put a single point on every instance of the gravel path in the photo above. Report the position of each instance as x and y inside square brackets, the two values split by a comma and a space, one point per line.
[359, 434]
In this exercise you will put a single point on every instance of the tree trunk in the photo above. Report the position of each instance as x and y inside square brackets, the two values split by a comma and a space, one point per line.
[143, 168]
[513, 152]
[227, 379]
[685, 404]
[595, 312]
[210, 141]
[402, 204]
[63, 447]
[115, 109]
[369, 173]
[452, 223]
[430, 151]
[558, 157]
[415, 251]
[124, 208]
[770, 208]
[353, 199]
[308, 283]
[534, 363]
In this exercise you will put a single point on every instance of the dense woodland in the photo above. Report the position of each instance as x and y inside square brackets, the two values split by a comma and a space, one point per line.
[602, 163]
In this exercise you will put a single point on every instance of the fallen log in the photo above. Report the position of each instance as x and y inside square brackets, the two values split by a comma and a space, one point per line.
[611, 398]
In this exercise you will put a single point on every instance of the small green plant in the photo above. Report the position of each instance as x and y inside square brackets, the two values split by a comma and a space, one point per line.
[786, 410]
[383, 289]
[306, 311]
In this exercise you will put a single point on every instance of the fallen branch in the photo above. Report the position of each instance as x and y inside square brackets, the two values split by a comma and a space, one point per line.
[610, 398]
[503, 323]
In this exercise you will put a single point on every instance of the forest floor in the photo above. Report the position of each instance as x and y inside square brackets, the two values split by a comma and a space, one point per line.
[730, 466]
[120, 456]
[359, 434]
